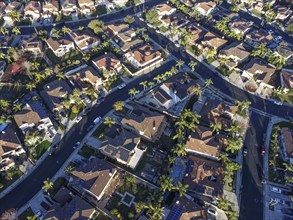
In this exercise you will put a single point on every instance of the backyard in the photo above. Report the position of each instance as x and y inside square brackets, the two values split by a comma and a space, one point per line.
[11, 176]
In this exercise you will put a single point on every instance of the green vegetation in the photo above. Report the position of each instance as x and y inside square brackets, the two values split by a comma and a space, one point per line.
[290, 28]
[223, 70]
[86, 151]
[10, 176]
[152, 17]
[256, 12]
[26, 214]
[42, 148]
[282, 96]
[99, 132]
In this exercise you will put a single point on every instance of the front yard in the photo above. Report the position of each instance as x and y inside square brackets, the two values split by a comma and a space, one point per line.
[10, 177]
[41, 149]
[67, 60]
[86, 151]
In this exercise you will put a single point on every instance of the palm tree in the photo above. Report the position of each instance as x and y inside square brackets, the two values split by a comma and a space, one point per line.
[133, 92]
[4, 31]
[65, 30]
[5, 119]
[32, 139]
[216, 127]
[118, 106]
[30, 86]
[2, 56]
[4, 105]
[48, 72]
[179, 64]
[68, 169]
[208, 82]
[158, 79]
[86, 57]
[174, 70]
[192, 64]
[33, 217]
[198, 91]
[109, 121]
[144, 84]
[16, 31]
[15, 16]
[140, 206]
[180, 150]
[17, 107]
[166, 183]
[151, 84]
[181, 188]
[60, 75]
[234, 144]
[48, 184]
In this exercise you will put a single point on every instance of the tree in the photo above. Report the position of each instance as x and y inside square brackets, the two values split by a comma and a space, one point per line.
[133, 92]
[129, 19]
[118, 106]
[116, 213]
[277, 60]
[151, 84]
[4, 105]
[234, 129]
[16, 31]
[60, 75]
[30, 86]
[179, 64]
[223, 204]
[139, 206]
[4, 31]
[211, 53]
[144, 84]
[5, 118]
[208, 82]
[261, 51]
[290, 28]
[158, 79]
[166, 183]
[152, 17]
[17, 107]
[48, 184]
[234, 144]
[109, 121]
[33, 217]
[32, 139]
[216, 127]
[80, 28]
[97, 26]
[192, 65]
[86, 57]
[180, 150]
[9, 214]
[243, 107]
[181, 188]
[65, 30]
[155, 211]
[15, 16]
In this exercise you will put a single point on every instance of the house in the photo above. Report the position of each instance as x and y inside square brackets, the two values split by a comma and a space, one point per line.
[286, 77]
[54, 94]
[32, 115]
[92, 179]
[287, 143]
[257, 37]
[85, 78]
[260, 71]
[86, 6]
[126, 35]
[33, 10]
[108, 62]
[186, 208]
[204, 177]
[32, 44]
[68, 7]
[84, 40]
[51, 7]
[115, 28]
[128, 45]
[236, 54]
[76, 208]
[212, 41]
[2, 8]
[197, 33]
[205, 8]
[214, 110]
[285, 50]
[204, 142]
[10, 148]
[143, 56]
[122, 145]
[121, 3]
[174, 90]
[176, 20]
[12, 6]
[145, 122]
[165, 10]
[60, 46]
[283, 13]
[240, 26]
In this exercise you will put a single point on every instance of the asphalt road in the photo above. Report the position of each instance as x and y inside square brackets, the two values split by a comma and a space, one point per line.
[252, 189]
[22, 193]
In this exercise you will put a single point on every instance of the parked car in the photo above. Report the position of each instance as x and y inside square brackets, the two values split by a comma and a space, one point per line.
[97, 120]
[78, 119]
[76, 145]
[276, 190]
[87, 100]
[53, 130]
[121, 86]
[49, 134]
[278, 102]
[244, 151]
[212, 211]
[263, 151]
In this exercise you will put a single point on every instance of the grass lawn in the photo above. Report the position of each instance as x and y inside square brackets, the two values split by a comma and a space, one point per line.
[101, 10]
[24, 216]
[86, 151]
[209, 60]
[11, 176]
[42, 148]
[57, 185]
[70, 56]
[256, 12]
[223, 70]
[99, 132]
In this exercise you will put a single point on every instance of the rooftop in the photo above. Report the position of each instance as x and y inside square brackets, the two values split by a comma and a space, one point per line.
[144, 54]
[8, 141]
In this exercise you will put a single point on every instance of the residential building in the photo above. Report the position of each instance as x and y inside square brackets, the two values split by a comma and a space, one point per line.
[240, 26]
[174, 90]
[197, 33]
[176, 20]
[54, 94]
[33, 10]
[204, 142]
[287, 144]
[206, 7]
[108, 62]
[283, 13]
[204, 177]
[128, 45]
[260, 71]
[285, 50]
[10, 148]
[186, 208]
[2, 8]
[85, 78]
[51, 7]
[236, 54]
[121, 3]
[32, 44]
[76, 208]
[286, 77]
[212, 41]
[86, 6]
[68, 7]
[60, 46]
[122, 145]
[145, 122]
[115, 28]
[257, 37]
[165, 10]
[126, 35]
[143, 56]
[12, 6]
[84, 40]
[92, 179]
[32, 115]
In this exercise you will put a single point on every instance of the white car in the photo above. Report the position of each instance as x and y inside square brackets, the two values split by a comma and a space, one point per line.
[279, 38]
[270, 31]
[76, 145]
[87, 100]
[97, 120]
[78, 119]
[212, 211]
[49, 134]
[121, 86]
[53, 130]
[278, 102]
[276, 190]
